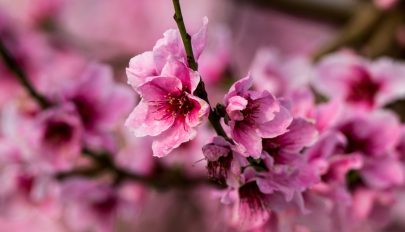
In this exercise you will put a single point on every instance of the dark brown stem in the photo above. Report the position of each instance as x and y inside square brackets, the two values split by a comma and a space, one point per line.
[178, 17]
[15, 68]
[327, 11]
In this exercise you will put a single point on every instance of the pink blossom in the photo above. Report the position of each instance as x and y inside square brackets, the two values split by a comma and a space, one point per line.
[254, 115]
[151, 63]
[250, 207]
[90, 205]
[168, 110]
[99, 101]
[287, 171]
[279, 74]
[58, 136]
[359, 82]
[223, 162]
[26, 185]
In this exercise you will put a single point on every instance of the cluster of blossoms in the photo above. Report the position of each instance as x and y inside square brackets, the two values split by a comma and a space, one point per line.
[293, 146]
[283, 154]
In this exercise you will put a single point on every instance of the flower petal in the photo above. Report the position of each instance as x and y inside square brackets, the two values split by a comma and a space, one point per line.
[177, 134]
[142, 122]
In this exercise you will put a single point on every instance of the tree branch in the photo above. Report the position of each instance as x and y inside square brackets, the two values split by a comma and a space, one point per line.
[327, 11]
[15, 68]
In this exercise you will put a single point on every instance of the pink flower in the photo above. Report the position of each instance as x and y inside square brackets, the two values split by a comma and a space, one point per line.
[91, 205]
[359, 82]
[287, 170]
[58, 136]
[168, 110]
[223, 162]
[254, 115]
[279, 75]
[250, 207]
[151, 63]
[367, 144]
[100, 102]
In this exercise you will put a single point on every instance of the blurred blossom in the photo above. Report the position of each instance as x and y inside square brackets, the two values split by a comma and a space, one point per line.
[361, 83]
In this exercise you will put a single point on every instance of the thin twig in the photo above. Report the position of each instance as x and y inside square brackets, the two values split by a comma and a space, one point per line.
[14, 67]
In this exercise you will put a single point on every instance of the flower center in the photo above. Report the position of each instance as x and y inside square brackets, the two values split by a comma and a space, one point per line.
[251, 197]
[58, 132]
[355, 143]
[25, 183]
[364, 89]
[105, 205]
[251, 110]
[180, 104]
[218, 170]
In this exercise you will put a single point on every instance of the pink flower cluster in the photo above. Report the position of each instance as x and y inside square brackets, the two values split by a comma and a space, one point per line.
[283, 154]
[294, 145]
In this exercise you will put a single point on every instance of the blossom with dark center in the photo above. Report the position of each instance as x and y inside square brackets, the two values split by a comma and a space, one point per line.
[359, 82]
[91, 205]
[363, 88]
[252, 209]
[58, 136]
[374, 138]
[168, 110]
[254, 115]
[99, 103]
[221, 159]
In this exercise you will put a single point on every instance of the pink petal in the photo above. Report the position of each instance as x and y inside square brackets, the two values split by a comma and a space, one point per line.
[157, 88]
[277, 126]
[188, 78]
[383, 173]
[239, 88]
[201, 109]
[198, 40]
[140, 67]
[248, 138]
[142, 122]
[170, 45]
[177, 134]
[235, 105]
[301, 133]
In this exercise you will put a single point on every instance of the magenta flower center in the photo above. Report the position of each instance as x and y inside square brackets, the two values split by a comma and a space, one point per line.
[58, 132]
[355, 142]
[25, 183]
[174, 105]
[105, 205]
[364, 89]
[251, 111]
[218, 170]
[251, 197]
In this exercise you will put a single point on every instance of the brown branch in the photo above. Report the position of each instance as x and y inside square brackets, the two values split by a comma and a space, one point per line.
[15, 68]
[326, 11]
